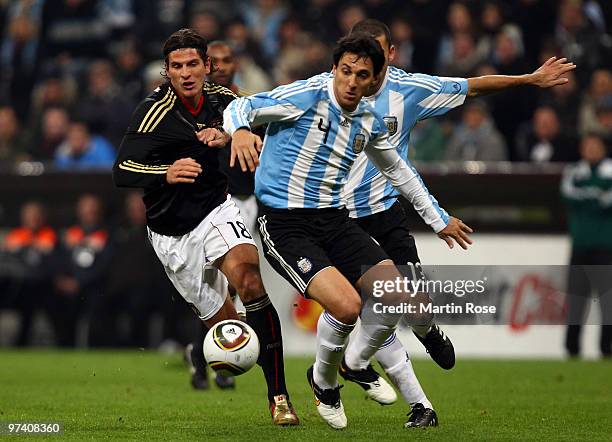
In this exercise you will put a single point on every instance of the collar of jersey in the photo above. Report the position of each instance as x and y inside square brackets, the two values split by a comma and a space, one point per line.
[332, 98]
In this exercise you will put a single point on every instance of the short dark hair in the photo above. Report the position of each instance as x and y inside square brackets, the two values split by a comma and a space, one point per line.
[185, 38]
[372, 27]
[362, 45]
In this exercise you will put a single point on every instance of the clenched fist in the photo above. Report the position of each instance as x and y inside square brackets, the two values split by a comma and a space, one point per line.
[185, 170]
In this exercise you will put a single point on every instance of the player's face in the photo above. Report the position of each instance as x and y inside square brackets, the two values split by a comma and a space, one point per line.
[187, 72]
[389, 51]
[352, 78]
[224, 65]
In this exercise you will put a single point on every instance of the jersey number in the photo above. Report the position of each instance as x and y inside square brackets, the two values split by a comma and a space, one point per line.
[241, 230]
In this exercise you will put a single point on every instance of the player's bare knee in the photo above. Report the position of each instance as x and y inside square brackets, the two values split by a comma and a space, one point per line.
[348, 311]
[250, 285]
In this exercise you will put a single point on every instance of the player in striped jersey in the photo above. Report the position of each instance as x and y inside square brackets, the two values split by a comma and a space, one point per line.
[171, 150]
[403, 99]
[317, 128]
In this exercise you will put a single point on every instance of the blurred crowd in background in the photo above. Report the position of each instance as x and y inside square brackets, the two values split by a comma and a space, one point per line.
[72, 71]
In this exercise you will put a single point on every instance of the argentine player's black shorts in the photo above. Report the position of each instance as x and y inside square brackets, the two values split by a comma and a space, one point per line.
[299, 243]
[390, 229]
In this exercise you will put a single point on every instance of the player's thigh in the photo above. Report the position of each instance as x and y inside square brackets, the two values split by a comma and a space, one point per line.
[183, 259]
[291, 249]
[336, 294]
[352, 251]
[226, 230]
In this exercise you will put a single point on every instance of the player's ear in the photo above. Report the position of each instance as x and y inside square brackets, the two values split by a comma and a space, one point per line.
[333, 71]
[208, 65]
[392, 51]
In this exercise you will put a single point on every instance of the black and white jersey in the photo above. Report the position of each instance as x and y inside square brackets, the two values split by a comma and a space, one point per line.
[163, 130]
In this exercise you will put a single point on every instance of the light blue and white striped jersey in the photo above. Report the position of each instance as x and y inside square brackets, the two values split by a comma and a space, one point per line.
[403, 99]
[310, 144]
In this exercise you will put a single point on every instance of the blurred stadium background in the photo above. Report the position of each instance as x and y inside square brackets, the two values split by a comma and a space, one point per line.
[75, 267]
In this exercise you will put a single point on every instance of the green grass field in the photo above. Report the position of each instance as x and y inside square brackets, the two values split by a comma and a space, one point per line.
[146, 395]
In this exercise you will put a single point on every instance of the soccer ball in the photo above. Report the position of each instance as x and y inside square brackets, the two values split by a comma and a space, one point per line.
[231, 347]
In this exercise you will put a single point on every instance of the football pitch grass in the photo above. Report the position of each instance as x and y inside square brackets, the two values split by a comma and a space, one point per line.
[146, 396]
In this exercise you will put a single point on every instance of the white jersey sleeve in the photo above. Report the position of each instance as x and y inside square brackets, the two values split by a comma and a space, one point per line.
[407, 182]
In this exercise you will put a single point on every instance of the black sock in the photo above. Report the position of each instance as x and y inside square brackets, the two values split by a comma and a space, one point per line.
[262, 316]
[197, 354]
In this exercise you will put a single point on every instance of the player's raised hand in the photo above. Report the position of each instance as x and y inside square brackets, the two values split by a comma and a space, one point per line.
[456, 230]
[185, 170]
[551, 72]
[213, 137]
[245, 148]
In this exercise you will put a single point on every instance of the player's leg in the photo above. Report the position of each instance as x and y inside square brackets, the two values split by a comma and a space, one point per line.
[391, 230]
[194, 352]
[230, 246]
[291, 242]
[578, 296]
[397, 364]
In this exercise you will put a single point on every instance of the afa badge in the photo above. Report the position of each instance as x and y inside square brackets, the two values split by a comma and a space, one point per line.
[391, 123]
[359, 143]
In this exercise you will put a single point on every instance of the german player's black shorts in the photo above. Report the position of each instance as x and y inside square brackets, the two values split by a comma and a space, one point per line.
[299, 243]
[390, 229]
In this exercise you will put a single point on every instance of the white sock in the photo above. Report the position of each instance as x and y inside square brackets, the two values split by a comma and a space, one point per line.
[366, 341]
[394, 359]
[332, 336]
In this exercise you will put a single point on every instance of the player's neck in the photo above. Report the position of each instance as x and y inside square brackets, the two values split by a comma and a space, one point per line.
[193, 104]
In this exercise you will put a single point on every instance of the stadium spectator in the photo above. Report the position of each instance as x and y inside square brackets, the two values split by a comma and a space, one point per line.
[251, 75]
[152, 76]
[73, 32]
[130, 67]
[207, 24]
[53, 90]
[464, 56]
[82, 150]
[578, 38]
[476, 138]
[587, 190]
[11, 138]
[157, 18]
[402, 34]
[264, 18]
[105, 106]
[507, 58]
[604, 118]
[18, 53]
[32, 245]
[544, 140]
[600, 86]
[44, 140]
[85, 257]
[459, 20]
[565, 100]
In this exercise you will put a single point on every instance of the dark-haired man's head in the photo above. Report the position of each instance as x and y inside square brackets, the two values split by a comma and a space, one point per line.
[381, 33]
[358, 60]
[186, 63]
[224, 64]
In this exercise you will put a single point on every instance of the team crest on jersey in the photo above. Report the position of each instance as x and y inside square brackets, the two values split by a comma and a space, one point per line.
[304, 265]
[391, 123]
[359, 143]
[201, 126]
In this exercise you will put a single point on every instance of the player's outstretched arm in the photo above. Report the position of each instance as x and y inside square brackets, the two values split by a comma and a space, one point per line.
[550, 74]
